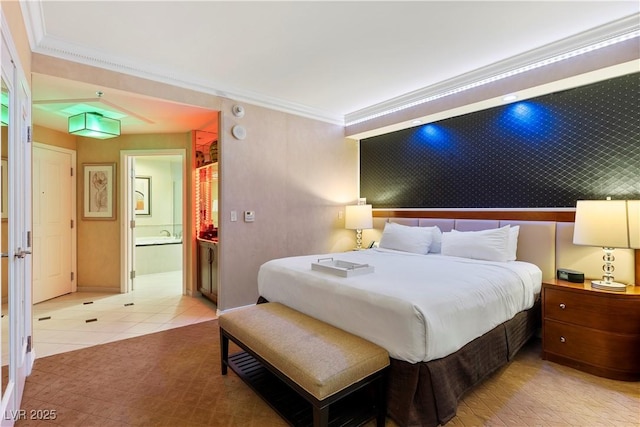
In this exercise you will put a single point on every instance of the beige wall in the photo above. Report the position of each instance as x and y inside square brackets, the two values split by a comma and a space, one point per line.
[99, 242]
[51, 137]
[296, 174]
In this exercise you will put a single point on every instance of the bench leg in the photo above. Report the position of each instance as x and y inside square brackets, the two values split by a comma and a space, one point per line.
[320, 416]
[381, 394]
[224, 352]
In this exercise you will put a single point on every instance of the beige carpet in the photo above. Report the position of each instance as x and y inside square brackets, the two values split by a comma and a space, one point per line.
[172, 378]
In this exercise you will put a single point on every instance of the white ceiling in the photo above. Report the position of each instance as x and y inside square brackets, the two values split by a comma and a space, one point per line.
[326, 59]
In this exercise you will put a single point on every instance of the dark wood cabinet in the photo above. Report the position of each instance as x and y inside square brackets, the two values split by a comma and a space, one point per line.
[208, 269]
[592, 330]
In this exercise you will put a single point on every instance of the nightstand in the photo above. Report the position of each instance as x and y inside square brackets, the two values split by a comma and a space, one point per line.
[592, 330]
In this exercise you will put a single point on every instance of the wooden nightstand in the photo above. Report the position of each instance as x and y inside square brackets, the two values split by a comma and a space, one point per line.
[592, 330]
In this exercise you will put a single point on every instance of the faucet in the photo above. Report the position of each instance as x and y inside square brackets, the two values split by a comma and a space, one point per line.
[165, 233]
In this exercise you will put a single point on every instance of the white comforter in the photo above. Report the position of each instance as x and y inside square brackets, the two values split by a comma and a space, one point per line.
[418, 307]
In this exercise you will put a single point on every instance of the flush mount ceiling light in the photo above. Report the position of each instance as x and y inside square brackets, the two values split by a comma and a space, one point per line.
[94, 125]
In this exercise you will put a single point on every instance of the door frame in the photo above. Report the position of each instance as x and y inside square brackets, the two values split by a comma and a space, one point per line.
[21, 354]
[74, 207]
[127, 215]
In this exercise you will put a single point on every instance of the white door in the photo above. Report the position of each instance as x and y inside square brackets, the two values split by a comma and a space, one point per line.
[16, 203]
[53, 222]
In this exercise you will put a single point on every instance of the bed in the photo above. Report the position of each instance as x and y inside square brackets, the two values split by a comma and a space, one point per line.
[447, 318]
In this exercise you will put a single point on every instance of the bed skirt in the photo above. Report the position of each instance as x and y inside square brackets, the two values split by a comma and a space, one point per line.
[427, 393]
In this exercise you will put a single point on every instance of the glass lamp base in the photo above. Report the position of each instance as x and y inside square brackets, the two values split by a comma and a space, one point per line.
[608, 286]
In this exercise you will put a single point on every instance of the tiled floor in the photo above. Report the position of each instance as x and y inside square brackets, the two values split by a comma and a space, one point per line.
[66, 323]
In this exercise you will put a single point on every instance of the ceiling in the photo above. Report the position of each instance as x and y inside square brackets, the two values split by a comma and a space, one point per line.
[326, 60]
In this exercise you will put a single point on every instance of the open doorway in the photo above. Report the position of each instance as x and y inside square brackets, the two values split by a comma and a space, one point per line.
[154, 201]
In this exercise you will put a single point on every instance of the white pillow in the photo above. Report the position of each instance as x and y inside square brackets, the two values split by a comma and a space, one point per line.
[436, 241]
[405, 238]
[512, 245]
[490, 245]
[513, 242]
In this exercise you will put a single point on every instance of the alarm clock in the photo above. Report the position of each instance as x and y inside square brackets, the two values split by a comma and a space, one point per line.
[570, 275]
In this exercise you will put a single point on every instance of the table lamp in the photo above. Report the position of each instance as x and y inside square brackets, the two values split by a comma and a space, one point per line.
[358, 217]
[603, 223]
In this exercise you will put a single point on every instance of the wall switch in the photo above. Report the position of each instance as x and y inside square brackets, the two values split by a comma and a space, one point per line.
[249, 216]
[234, 216]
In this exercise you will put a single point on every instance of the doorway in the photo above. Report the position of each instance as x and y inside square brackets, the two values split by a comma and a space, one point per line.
[154, 200]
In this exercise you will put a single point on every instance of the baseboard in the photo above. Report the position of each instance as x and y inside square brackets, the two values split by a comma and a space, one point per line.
[218, 311]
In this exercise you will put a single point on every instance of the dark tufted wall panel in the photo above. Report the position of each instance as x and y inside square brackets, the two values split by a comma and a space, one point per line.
[550, 151]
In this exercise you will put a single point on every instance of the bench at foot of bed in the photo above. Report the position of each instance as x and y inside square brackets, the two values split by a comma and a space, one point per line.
[310, 372]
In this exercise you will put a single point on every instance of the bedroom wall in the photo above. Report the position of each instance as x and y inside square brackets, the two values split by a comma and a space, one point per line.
[296, 174]
[549, 151]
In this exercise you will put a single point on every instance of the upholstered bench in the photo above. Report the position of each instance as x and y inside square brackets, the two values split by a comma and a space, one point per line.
[321, 363]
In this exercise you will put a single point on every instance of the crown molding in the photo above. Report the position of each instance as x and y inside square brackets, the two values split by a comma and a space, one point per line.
[44, 44]
[600, 34]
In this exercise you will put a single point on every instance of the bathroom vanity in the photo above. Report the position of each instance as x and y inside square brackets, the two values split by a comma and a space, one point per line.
[207, 230]
[208, 269]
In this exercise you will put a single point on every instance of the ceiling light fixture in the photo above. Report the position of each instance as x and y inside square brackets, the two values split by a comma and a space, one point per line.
[552, 60]
[509, 98]
[94, 125]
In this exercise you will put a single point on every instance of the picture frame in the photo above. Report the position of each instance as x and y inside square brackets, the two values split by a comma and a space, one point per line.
[99, 191]
[143, 195]
[4, 176]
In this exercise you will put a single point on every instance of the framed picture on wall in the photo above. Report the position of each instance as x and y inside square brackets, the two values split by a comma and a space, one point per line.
[99, 201]
[4, 176]
[143, 195]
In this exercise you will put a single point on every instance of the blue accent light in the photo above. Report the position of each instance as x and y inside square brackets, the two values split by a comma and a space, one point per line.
[527, 120]
[435, 136]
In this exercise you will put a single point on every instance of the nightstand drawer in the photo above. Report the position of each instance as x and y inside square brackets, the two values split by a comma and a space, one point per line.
[613, 313]
[616, 351]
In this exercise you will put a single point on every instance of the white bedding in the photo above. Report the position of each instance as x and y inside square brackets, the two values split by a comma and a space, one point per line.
[418, 307]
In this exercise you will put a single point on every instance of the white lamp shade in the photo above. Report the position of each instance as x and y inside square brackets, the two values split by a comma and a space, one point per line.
[601, 223]
[633, 207]
[358, 217]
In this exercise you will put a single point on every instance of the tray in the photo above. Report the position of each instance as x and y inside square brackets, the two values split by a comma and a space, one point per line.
[341, 268]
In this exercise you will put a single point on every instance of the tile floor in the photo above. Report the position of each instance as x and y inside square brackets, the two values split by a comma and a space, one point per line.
[156, 304]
